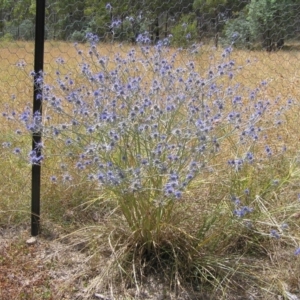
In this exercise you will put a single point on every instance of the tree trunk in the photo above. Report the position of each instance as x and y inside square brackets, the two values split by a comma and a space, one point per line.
[280, 43]
[166, 25]
[216, 28]
[156, 30]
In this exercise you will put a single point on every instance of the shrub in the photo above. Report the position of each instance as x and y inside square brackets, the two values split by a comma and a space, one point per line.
[7, 37]
[237, 32]
[185, 32]
[78, 36]
[26, 30]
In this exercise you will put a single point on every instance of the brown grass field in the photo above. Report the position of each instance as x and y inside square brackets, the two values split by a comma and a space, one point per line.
[77, 222]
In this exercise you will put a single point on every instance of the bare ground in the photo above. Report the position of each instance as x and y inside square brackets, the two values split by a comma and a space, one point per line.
[52, 269]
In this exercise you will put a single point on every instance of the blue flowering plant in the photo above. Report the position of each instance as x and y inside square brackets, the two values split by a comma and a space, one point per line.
[144, 126]
[150, 128]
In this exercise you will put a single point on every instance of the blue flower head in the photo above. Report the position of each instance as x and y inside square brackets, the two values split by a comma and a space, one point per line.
[297, 251]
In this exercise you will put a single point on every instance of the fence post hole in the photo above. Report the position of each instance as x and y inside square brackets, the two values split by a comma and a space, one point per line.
[37, 111]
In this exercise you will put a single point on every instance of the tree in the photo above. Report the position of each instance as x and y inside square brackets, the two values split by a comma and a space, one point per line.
[64, 17]
[6, 7]
[213, 14]
[237, 31]
[209, 11]
[174, 9]
[269, 21]
[15, 13]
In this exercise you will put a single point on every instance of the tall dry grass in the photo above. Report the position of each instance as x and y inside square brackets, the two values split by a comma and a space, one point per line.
[205, 215]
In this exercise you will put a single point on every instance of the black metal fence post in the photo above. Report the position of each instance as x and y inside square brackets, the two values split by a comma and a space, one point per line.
[37, 108]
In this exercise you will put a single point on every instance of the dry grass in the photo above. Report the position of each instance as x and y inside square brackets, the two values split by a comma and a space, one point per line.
[80, 221]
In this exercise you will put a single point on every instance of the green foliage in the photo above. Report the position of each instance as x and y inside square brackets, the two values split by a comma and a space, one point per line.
[237, 32]
[26, 30]
[78, 36]
[23, 9]
[209, 6]
[268, 20]
[185, 32]
[12, 30]
[8, 37]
